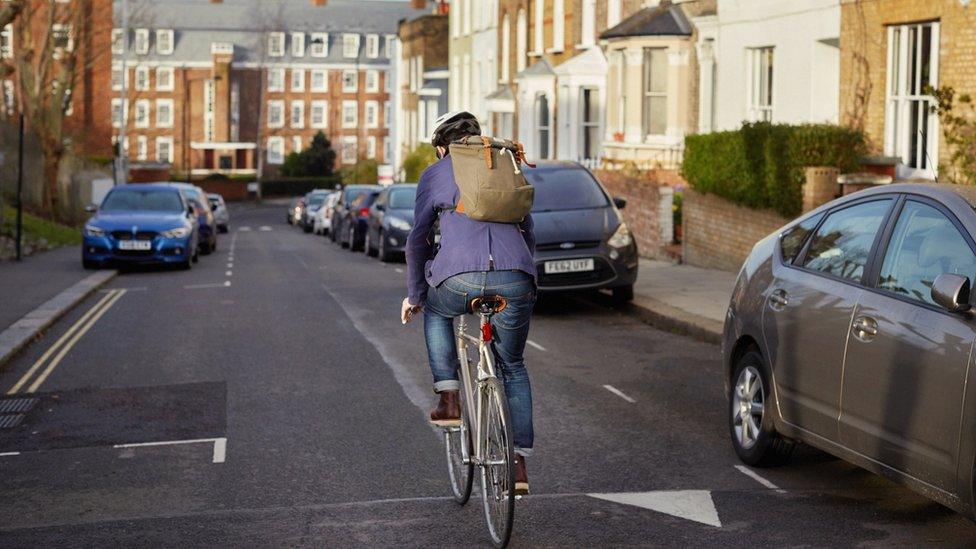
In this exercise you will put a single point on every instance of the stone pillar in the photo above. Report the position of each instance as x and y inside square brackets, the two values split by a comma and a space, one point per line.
[820, 187]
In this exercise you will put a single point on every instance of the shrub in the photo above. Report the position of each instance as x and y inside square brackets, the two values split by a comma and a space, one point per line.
[318, 160]
[417, 161]
[364, 172]
[761, 165]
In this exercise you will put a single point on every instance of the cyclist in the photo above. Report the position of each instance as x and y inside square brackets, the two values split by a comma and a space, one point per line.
[474, 258]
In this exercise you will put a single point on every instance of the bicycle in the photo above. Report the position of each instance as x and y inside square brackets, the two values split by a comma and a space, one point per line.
[487, 441]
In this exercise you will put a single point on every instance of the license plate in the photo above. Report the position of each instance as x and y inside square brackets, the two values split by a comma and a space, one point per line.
[569, 266]
[139, 245]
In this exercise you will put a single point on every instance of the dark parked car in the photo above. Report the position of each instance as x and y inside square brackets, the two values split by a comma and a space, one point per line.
[313, 201]
[851, 330]
[141, 224]
[390, 220]
[205, 216]
[339, 232]
[353, 229]
[581, 240]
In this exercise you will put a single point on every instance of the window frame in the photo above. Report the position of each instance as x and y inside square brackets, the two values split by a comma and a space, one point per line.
[319, 50]
[756, 77]
[280, 87]
[172, 45]
[144, 85]
[172, 78]
[291, 81]
[375, 88]
[298, 104]
[297, 44]
[319, 104]
[280, 152]
[372, 46]
[648, 78]
[898, 141]
[147, 106]
[346, 103]
[350, 40]
[144, 33]
[280, 104]
[350, 89]
[276, 38]
[169, 144]
[325, 81]
[172, 115]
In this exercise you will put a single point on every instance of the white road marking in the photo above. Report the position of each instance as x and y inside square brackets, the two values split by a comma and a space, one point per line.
[243, 229]
[219, 452]
[264, 228]
[227, 283]
[2, 454]
[132, 289]
[229, 273]
[535, 345]
[399, 270]
[230, 265]
[619, 393]
[693, 505]
[204, 286]
[756, 477]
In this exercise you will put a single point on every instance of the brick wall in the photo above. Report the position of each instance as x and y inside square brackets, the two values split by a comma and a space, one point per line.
[719, 234]
[648, 213]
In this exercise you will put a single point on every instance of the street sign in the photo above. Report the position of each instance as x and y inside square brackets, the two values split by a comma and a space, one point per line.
[384, 174]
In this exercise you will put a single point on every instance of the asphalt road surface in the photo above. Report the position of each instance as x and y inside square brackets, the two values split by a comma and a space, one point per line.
[270, 397]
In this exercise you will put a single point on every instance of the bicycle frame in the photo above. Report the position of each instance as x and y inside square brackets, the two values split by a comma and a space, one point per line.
[485, 369]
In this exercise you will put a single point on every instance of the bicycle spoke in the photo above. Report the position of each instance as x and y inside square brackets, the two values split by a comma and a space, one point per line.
[497, 465]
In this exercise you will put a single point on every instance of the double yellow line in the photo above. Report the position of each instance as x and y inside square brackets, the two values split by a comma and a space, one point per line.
[66, 342]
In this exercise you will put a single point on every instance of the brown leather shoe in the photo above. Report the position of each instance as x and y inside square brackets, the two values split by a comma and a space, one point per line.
[448, 411]
[521, 476]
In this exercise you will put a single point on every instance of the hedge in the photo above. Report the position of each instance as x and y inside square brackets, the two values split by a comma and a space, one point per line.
[297, 186]
[761, 165]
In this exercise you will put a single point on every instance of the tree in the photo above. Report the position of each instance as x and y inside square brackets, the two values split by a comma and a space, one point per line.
[8, 14]
[317, 160]
[417, 161]
[364, 172]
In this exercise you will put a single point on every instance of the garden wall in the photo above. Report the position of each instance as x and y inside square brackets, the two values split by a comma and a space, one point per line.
[649, 205]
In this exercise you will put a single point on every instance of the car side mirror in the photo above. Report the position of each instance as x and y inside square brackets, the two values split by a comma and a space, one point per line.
[91, 208]
[951, 292]
[620, 202]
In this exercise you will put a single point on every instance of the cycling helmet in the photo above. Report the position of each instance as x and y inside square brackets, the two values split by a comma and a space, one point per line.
[452, 123]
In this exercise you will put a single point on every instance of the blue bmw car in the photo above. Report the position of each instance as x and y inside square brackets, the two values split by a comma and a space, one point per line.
[142, 224]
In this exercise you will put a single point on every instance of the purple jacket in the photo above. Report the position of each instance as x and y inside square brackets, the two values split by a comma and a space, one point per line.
[466, 245]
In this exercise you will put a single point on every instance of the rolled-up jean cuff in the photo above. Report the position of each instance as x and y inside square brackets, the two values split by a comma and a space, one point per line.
[447, 385]
[524, 452]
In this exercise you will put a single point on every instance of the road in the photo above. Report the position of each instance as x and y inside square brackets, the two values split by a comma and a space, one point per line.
[270, 397]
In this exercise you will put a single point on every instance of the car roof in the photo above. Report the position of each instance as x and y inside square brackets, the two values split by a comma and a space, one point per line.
[943, 191]
[151, 186]
[402, 186]
[554, 164]
[360, 186]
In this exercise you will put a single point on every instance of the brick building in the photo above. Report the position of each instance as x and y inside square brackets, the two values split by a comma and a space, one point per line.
[881, 41]
[234, 86]
[422, 76]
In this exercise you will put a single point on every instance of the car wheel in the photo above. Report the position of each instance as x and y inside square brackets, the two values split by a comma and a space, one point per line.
[351, 239]
[196, 255]
[368, 245]
[750, 415]
[222, 228]
[332, 233]
[213, 245]
[381, 252]
[89, 264]
[623, 295]
[204, 248]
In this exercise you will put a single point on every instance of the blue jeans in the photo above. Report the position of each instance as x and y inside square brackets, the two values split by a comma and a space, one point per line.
[511, 326]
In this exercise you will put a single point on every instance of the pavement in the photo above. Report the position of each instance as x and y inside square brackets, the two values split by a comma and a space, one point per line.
[270, 397]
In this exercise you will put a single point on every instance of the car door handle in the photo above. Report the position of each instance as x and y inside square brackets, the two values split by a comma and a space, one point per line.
[865, 328]
[778, 300]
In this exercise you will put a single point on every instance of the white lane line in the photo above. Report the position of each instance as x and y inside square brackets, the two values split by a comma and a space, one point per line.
[399, 270]
[229, 273]
[227, 283]
[204, 286]
[756, 477]
[230, 265]
[535, 345]
[243, 229]
[264, 228]
[220, 450]
[131, 289]
[619, 393]
[3, 454]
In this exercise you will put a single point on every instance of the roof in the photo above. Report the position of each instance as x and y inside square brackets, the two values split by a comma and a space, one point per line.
[542, 68]
[198, 24]
[662, 20]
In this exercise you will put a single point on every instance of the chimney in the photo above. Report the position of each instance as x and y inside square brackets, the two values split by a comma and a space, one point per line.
[216, 1]
[318, 2]
[418, 4]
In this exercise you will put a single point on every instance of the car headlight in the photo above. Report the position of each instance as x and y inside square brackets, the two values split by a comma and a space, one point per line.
[91, 230]
[179, 232]
[621, 237]
[400, 224]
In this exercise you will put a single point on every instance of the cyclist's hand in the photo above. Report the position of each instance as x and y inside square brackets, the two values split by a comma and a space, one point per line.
[407, 310]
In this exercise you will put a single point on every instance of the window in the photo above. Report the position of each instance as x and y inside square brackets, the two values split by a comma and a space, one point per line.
[298, 80]
[62, 39]
[350, 80]
[760, 84]
[387, 149]
[506, 49]
[320, 110]
[387, 114]
[792, 240]
[276, 149]
[164, 113]
[521, 41]
[298, 44]
[372, 111]
[590, 103]
[320, 44]
[276, 114]
[276, 80]
[372, 46]
[911, 130]
[164, 79]
[118, 41]
[164, 41]
[320, 80]
[372, 81]
[389, 45]
[296, 143]
[298, 114]
[539, 27]
[924, 245]
[350, 149]
[164, 150]
[350, 114]
[588, 24]
[118, 112]
[542, 127]
[142, 113]
[843, 242]
[350, 45]
[371, 147]
[142, 78]
[558, 25]
[141, 45]
[209, 110]
[276, 44]
[142, 148]
[654, 108]
[117, 76]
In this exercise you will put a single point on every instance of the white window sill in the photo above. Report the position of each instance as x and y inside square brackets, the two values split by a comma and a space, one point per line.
[534, 54]
[585, 46]
[555, 50]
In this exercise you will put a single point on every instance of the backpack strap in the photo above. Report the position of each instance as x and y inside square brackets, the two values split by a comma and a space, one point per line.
[521, 155]
[486, 147]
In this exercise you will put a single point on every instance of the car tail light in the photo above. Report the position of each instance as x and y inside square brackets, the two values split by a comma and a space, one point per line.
[363, 212]
[199, 211]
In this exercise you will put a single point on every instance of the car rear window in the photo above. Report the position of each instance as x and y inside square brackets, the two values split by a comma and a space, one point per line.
[353, 194]
[403, 199]
[142, 200]
[316, 200]
[568, 188]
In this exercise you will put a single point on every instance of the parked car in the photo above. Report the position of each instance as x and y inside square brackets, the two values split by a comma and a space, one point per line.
[390, 220]
[339, 231]
[850, 330]
[221, 214]
[323, 217]
[205, 216]
[142, 224]
[313, 201]
[582, 241]
[295, 210]
[354, 223]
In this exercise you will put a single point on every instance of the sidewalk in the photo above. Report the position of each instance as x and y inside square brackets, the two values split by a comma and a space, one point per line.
[683, 298]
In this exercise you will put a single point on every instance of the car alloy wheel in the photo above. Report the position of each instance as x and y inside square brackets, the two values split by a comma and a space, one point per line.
[381, 252]
[748, 405]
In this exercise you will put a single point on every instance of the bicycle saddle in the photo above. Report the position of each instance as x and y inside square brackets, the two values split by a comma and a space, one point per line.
[489, 304]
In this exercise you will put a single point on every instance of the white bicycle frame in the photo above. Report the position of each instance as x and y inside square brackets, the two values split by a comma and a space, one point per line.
[484, 370]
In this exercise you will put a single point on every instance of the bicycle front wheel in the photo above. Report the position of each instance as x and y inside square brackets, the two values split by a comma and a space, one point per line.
[498, 466]
[460, 466]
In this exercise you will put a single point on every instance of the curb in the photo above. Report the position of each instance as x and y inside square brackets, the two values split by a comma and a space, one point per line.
[20, 333]
[661, 315]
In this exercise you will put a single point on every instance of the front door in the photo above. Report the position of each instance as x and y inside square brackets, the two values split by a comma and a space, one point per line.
[907, 359]
[808, 314]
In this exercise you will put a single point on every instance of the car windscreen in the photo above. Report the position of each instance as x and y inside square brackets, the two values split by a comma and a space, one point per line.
[352, 195]
[316, 200]
[403, 199]
[142, 200]
[567, 188]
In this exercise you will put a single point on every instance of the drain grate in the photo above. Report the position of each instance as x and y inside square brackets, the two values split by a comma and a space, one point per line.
[9, 421]
[16, 405]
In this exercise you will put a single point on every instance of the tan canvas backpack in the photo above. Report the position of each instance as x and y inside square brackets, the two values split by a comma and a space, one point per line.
[489, 175]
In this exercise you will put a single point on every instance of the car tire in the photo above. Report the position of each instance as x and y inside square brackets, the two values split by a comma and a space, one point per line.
[204, 248]
[213, 245]
[223, 229]
[381, 253]
[332, 233]
[90, 265]
[759, 444]
[623, 295]
[368, 246]
[351, 238]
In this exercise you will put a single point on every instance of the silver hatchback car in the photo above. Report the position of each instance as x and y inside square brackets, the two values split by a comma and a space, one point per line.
[850, 329]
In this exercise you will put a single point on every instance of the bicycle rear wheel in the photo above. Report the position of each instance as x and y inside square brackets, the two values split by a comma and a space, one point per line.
[498, 468]
[457, 442]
